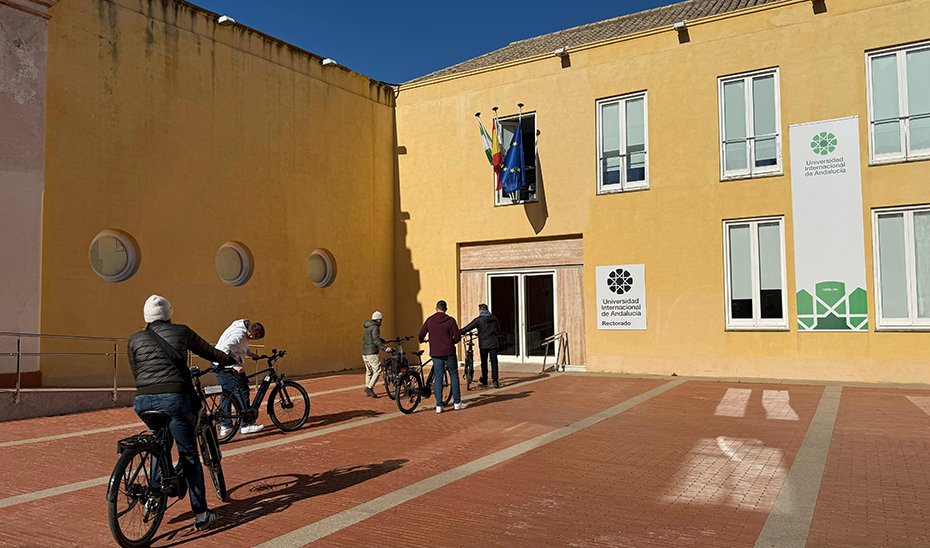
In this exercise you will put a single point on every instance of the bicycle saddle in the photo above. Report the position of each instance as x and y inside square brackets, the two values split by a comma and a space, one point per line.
[155, 419]
[419, 352]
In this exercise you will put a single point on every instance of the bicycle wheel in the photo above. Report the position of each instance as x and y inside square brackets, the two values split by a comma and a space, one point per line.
[408, 393]
[289, 406]
[390, 377]
[135, 500]
[469, 373]
[211, 457]
[446, 387]
[214, 403]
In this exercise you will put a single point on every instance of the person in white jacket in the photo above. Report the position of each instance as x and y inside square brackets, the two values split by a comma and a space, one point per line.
[235, 342]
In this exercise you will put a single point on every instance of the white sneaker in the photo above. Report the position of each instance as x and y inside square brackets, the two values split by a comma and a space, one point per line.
[251, 429]
[224, 431]
[439, 409]
[461, 405]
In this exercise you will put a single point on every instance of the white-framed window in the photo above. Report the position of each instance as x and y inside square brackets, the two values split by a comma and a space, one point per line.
[622, 136]
[899, 103]
[750, 125]
[528, 131]
[756, 284]
[901, 250]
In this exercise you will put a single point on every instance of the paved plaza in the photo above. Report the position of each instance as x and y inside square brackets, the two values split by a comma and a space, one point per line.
[555, 460]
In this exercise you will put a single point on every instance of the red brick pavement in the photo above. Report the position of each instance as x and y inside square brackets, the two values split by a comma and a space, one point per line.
[66, 424]
[321, 476]
[54, 462]
[876, 487]
[668, 472]
[700, 465]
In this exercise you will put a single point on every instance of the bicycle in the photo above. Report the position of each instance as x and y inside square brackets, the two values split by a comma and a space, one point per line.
[144, 477]
[393, 364]
[411, 386]
[468, 372]
[284, 403]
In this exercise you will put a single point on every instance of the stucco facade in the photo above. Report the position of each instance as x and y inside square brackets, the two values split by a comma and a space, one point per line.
[185, 134]
[675, 227]
[24, 39]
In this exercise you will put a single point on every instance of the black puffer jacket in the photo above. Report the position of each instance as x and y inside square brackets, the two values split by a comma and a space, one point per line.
[154, 371]
[489, 330]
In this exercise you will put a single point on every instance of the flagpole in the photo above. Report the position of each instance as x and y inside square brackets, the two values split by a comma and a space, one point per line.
[520, 127]
[496, 135]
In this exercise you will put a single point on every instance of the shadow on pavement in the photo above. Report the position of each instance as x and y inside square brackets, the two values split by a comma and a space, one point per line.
[497, 398]
[312, 422]
[265, 496]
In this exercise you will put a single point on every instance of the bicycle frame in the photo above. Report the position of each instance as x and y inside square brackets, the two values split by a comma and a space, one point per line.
[271, 376]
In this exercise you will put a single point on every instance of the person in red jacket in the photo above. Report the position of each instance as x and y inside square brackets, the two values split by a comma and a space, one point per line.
[443, 334]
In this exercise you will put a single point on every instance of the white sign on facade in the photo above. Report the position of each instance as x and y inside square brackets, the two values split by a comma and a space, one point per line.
[621, 296]
[829, 240]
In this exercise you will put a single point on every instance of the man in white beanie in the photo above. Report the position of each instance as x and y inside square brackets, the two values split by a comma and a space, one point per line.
[165, 384]
[372, 344]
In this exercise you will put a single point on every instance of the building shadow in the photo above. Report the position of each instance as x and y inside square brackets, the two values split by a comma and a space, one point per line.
[537, 213]
[273, 494]
[408, 314]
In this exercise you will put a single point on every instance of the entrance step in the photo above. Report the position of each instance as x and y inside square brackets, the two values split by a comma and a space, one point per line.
[44, 402]
[517, 367]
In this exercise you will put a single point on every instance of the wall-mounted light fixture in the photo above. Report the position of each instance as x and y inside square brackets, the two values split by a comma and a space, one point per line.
[329, 61]
[682, 29]
[560, 52]
[225, 20]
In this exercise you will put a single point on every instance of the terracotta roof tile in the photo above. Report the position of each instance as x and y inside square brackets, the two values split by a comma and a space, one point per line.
[599, 31]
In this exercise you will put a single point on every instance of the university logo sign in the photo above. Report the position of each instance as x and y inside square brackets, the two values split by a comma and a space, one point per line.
[621, 297]
[823, 143]
[619, 281]
[829, 238]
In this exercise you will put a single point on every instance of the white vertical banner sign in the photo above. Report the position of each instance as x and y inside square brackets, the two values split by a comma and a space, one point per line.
[829, 239]
[621, 296]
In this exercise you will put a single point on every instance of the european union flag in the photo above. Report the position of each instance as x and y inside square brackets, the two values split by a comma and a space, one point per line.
[513, 178]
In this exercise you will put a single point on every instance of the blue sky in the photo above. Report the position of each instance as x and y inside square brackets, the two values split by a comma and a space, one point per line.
[398, 41]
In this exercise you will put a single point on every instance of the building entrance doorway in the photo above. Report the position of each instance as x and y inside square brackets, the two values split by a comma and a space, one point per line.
[524, 303]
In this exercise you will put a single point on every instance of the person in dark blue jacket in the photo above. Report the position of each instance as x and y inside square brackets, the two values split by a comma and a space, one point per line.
[489, 331]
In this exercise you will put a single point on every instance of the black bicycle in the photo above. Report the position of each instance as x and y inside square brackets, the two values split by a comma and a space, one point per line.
[411, 385]
[393, 364]
[288, 404]
[144, 477]
[468, 369]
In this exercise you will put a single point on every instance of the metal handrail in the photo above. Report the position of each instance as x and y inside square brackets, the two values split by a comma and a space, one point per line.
[51, 336]
[562, 351]
[19, 354]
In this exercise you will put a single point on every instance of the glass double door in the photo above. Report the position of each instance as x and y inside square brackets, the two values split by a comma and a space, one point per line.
[524, 304]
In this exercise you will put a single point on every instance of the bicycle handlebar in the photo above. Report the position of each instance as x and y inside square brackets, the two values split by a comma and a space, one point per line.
[275, 355]
[399, 340]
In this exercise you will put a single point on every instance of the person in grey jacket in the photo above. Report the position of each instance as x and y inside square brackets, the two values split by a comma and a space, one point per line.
[372, 344]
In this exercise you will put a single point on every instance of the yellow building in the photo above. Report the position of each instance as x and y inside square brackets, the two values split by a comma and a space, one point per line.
[180, 151]
[662, 143]
[694, 203]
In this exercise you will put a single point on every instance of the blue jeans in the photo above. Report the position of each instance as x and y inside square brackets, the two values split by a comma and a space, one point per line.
[450, 364]
[238, 386]
[183, 429]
